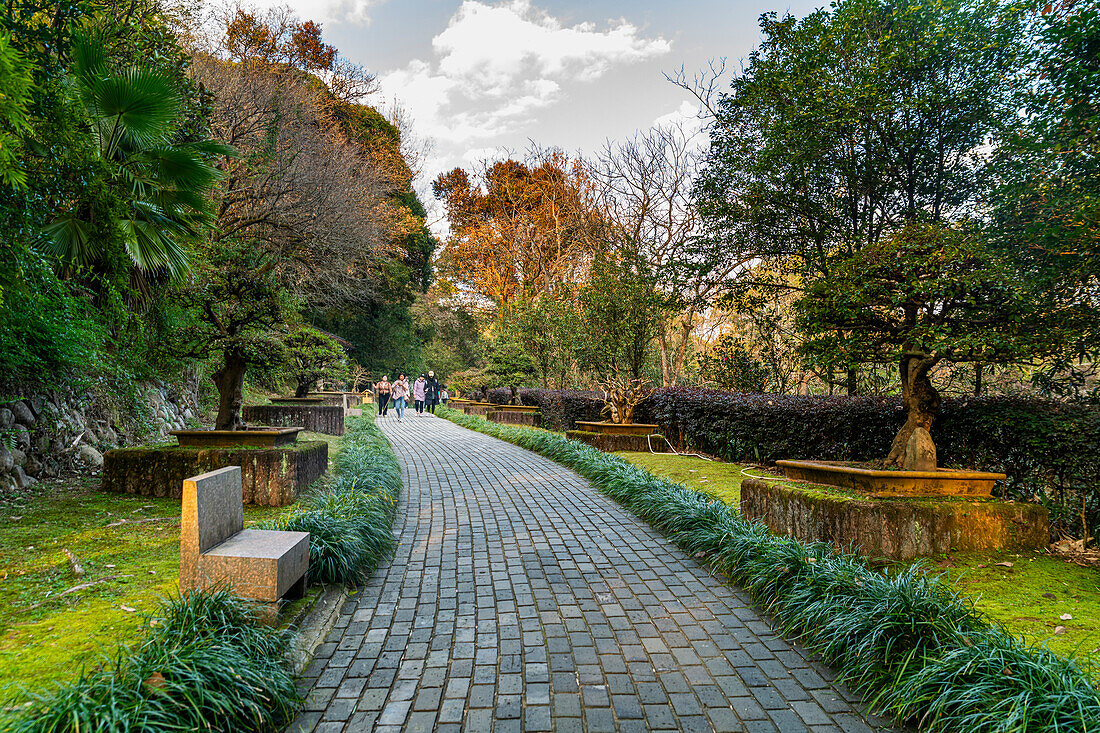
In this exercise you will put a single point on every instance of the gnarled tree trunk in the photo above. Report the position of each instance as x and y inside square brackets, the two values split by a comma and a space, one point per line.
[229, 380]
[302, 390]
[921, 400]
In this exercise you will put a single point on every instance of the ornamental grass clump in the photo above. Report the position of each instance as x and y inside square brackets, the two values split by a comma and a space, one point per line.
[913, 645]
[208, 664]
[350, 520]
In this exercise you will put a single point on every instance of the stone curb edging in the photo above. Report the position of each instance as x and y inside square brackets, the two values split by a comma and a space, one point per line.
[313, 622]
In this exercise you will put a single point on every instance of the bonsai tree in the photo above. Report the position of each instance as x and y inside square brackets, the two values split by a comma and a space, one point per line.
[926, 295]
[621, 313]
[237, 309]
[312, 355]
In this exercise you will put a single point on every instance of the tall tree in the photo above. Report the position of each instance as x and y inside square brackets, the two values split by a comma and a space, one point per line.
[519, 229]
[852, 123]
[646, 186]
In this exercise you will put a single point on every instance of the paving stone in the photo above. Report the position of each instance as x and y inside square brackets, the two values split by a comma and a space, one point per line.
[520, 598]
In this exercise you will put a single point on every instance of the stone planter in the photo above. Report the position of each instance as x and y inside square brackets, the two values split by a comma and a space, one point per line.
[301, 401]
[617, 442]
[479, 408]
[251, 438]
[528, 409]
[269, 476]
[316, 418]
[530, 418]
[611, 428]
[894, 528]
[338, 399]
[876, 483]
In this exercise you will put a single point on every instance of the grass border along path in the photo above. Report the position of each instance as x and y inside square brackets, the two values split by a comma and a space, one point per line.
[916, 648]
[207, 662]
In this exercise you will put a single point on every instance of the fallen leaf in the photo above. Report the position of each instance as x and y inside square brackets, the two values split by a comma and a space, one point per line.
[1066, 617]
[127, 609]
[110, 566]
[1004, 564]
[981, 566]
[1059, 630]
[1050, 596]
[155, 681]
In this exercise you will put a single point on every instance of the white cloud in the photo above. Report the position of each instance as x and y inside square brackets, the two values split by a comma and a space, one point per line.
[687, 115]
[496, 65]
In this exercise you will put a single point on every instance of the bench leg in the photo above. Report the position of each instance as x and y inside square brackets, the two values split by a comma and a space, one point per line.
[298, 589]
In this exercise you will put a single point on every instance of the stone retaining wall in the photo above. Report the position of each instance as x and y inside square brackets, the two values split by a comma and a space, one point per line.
[613, 443]
[317, 418]
[269, 476]
[899, 529]
[68, 430]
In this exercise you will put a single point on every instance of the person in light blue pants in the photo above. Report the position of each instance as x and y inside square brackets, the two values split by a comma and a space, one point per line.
[399, 394]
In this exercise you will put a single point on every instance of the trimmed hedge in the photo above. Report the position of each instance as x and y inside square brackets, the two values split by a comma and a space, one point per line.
[915, 647]
[209, 663]
[561, 409]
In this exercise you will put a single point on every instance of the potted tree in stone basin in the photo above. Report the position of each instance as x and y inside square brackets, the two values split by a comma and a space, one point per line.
[312, 355]
[927, 295]
[620, 310]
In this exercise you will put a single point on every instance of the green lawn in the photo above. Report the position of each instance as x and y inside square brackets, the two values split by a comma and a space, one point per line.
[1029, 597]
[128, 547]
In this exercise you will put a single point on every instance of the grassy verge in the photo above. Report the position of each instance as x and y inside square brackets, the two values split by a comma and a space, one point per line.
[204, 657]
[906, 639]
[1028, 593]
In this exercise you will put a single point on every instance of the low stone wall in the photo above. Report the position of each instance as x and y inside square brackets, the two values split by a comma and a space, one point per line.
[482, 410]
[269, 476]
[317, 418]
[614, 443]
[530, 419]
[899, 529]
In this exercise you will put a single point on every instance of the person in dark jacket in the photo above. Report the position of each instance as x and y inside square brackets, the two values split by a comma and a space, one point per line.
[431, 392]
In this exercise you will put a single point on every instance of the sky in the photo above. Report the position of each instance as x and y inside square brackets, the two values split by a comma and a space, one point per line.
[479, 78]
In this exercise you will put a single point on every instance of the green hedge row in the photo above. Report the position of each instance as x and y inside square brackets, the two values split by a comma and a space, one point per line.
[209, 663]
[913, 646]
[350, 520]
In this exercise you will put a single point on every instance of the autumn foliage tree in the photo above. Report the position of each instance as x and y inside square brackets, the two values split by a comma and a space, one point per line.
[520, 228]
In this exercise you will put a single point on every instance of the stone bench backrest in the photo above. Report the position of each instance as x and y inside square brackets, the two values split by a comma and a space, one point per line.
[213, 511]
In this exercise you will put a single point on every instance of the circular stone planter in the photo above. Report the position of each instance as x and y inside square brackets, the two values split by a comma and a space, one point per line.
[614, 428]
[261, 438]
[306, 401]
[879, 483]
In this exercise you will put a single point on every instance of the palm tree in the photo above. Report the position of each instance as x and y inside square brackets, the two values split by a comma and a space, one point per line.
[165, 185]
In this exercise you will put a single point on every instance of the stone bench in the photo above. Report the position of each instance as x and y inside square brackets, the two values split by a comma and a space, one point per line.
[216, 549]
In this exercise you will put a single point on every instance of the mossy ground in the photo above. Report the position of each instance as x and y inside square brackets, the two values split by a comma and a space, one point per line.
[1017, 597]
[129, 544]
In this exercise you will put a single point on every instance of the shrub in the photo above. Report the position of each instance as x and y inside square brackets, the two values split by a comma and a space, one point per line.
[561, 409]
[350, 521]
[209, 663]
[916, 647]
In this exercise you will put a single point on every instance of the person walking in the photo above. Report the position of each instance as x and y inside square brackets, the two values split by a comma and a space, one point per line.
[419, 387]
[383, 389]
[431, 392]
[399, 393]
[444, 395]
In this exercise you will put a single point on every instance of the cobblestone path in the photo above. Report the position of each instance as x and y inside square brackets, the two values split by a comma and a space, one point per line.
[522, 599]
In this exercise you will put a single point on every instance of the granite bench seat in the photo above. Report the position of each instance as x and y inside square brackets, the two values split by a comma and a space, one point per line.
[216, 549]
